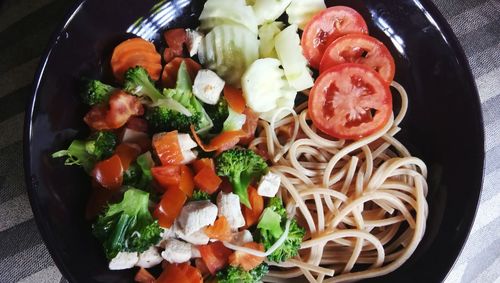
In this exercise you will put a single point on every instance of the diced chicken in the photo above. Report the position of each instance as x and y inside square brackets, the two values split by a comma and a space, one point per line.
[269, 185]
[176, 251]
[149, 258]
[123, 260]
[242, 238]
[193, 41]
[195, 252]
[186, 142]
[196, 238]
[196, 215]
[229, 207]
[166, 234]
[208, 86]
[189, 156]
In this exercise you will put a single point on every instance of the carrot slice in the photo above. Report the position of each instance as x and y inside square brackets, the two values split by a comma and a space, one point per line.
[169, 76]
[207, 181]
[170, 207]
[220, 230]
[247, 261]
[235, 98]
[180, 273]
[143, 276]
[135, 52]
[202, 163]
[257, 203]
[219, 143]
[215, 255]
[186, 182]
[167, 148]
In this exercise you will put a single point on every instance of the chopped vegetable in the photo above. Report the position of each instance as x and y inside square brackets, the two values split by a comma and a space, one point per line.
[109, 173]
[97, 92]
[218, 113]
[175, 39]
[200, 195]
[245, 260]
[167, 148]
[235, 99]
[267, 11]
[215, 255]
[143, 276]
[287, 44]
[139, 83]
[136, 52]
[180, 273]
[220, 230]
[229, 50]
[301, 11]
[268, 232]
[267, 33]
[237, 275]
[167, 176]
[170, 207]
[253, 214]
[127, 226]
[199, 164]
[139, 173]
[128, 153]
[186, 182]
[86, 153]
[169, 76]
[218, 12]
[221, 142]
[234, 121]
[207, 181]
[241, 166]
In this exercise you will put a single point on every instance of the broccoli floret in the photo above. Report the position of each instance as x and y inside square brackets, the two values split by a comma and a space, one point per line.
[238, 275]
[200, 195]
[218, 113]
[139, 83]
[241, 166]
[268, 236]
[96, 92]
[86, 153]
[138, 175]
[179, 108]
[127, 226]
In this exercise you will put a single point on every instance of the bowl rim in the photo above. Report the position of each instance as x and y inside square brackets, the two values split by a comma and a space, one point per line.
[31, 184]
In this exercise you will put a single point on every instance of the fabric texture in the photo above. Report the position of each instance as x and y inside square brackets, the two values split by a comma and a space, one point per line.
[25, 28]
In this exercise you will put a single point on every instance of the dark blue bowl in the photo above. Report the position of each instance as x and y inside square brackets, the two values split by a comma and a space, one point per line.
[444, 124]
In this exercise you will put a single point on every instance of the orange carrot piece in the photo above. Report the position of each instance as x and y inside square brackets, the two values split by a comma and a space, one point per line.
[219, 143]
[207, 181]
[202, 163]
[220, 230]
[247, 261]
[170, 207]
[257, 203]
[180, 273]
[167, 148]
[235, 99]
[186, 183]
[143, 276]
[136, 52]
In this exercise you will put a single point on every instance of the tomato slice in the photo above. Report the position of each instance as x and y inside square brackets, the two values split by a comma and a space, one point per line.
[109, 173]
[180, 273]
[170, 207]
[327, 26]
[350, 101]
[215, 255]
[167, 175]
[247, 261]
[361, 49]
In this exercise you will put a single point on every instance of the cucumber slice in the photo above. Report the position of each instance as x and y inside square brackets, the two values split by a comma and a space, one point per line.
[287, 44]
[264, 84]
[229, 50]
[301, 11]
[269, 10]
[267, 33]
[219, 12]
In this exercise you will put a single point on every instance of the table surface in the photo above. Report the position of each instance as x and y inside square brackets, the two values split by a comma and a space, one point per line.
[25, 28]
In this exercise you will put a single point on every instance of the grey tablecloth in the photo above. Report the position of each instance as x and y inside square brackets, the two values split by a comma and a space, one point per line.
[25, 27]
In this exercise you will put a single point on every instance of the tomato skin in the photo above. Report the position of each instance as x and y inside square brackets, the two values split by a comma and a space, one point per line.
[343, 97]
[325, 27]
[361, 49]
[207, 180]
[167, 176]
[169, 207]
[109, 173]
[247, 261]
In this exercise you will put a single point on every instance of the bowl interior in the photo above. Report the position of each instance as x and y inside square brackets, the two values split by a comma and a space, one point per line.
[444, 106]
